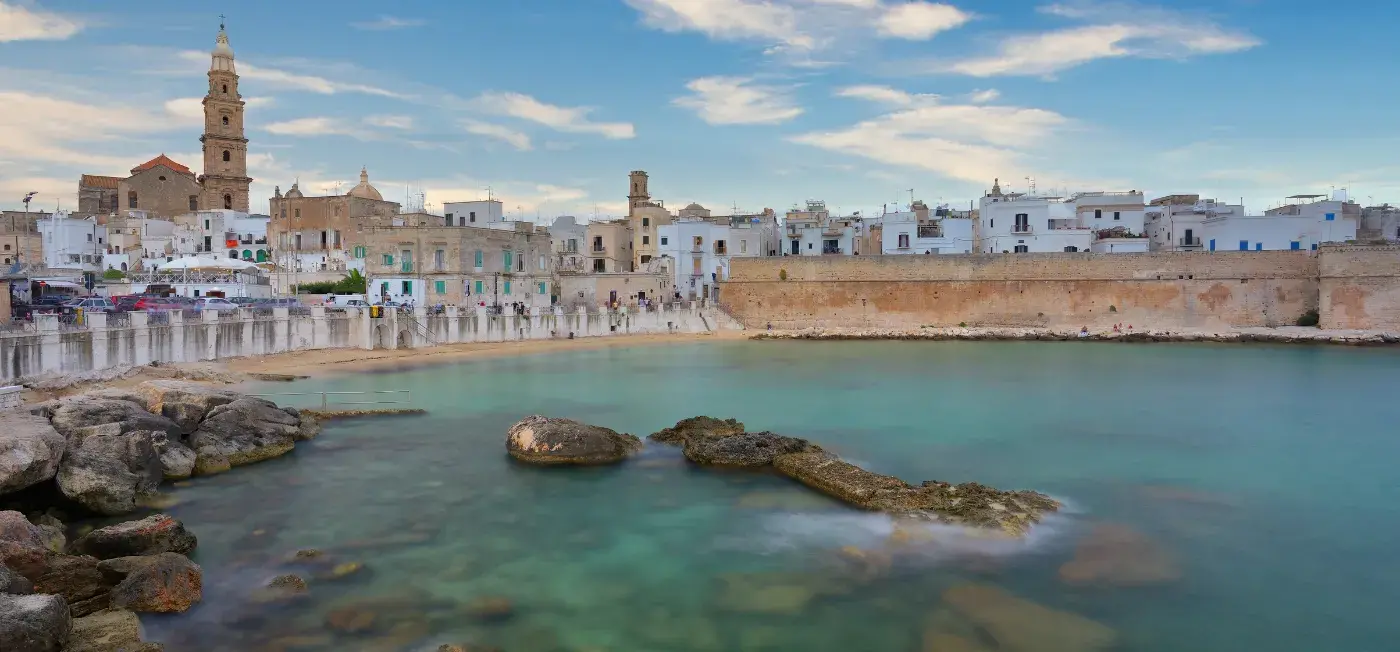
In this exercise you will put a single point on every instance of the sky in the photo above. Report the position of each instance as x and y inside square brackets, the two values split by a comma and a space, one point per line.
[748, 104]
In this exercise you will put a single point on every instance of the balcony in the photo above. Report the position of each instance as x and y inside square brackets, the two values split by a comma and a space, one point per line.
[406, 267]
[831, 251]
[1188, 243]
[931, 231]
[1021, 229]
[599, 249]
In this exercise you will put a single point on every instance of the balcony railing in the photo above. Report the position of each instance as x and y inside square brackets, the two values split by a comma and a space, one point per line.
[599, 249]
[834, 251]
[1021, 228]
[1188, 242]
[930, 232]
[406, 267]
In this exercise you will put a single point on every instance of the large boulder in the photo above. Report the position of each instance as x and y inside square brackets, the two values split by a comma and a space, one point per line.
[702, 427]
[34, 623]
[78, 579]
[23, 546]
[163, 583]
[544, 440]
[966, 504]
[13, 583]
[1015, 624]
[176, 459]
[30, 450]
[244, 431]
[149, 536]
[749, 449]
[112, 630]
[107, 468]
[74, 415]
[185, 403]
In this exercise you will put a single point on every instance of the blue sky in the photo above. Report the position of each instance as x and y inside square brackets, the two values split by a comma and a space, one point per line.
[748, 103]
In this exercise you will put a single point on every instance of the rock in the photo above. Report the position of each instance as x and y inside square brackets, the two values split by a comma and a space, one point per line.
[969, 503]
[1117, 555]
[13, 583]
[107, 468]
[22, 545]
[308, 426]
[78, 579]
[490, 608]
[112, 630]
[751, 449]
[30, 450]
[76, 414]
[185, 403]
[1018, 625]
[702, 428]
[281, 588]
[340, 571]
[163, 583]
[244, 431]
[774, 593]
[293, 583]
[308, 553]
[52, 532]
[544, 440]
[350, 620]
[176, 459]
[149, 536]
[34, 623]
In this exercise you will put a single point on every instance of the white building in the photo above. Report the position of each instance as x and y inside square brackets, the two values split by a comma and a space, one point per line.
[814, 232]
[919, 231]
[753, 234]
[72, 244]
[566, 238]
[1305, 222]
[1177, 222]
[1104, 222]
[233, 234]
[473, 213]
[701, 250]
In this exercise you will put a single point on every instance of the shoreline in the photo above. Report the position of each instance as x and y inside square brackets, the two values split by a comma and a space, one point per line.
[1280, 335]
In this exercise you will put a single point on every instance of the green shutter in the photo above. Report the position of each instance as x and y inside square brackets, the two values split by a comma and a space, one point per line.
[408, 287]
[508, 262]
[480, 286]
[541, 288]
[388, 259]
[507, 288]
[478, 264]
[440, 287]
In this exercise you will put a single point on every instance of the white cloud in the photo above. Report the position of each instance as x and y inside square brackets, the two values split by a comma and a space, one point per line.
[384, 23]
[390, 121]
[286, 79]
[20, 23]
[516, 139]
[983, 96]
[1113, 31]
[959, 141]
[46, 129]
[566, 119]
[737, 101]
[919, 21]
[313, 126]
[724, 19]
[190, 110]
[884, 95]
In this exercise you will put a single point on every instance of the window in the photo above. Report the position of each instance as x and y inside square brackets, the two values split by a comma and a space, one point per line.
[646, 221]
[161, 177]
[228, 201]
[225, 89]
[904, 241]
[439, 260]
[663, 240]
[473, 216]
[440, 287]
[206, 225]
[225, 121]
[1098, 214]
[226, 156]
[600, 265]
[542, 290]
[232, 253]
[1244, 245]
[993, 223]
[408, 287]
[131, 199]
[359, 252]
[1023, 223]
[506, 288]
[1314, 247]
[507, 259]
[646, 259]
[721, 247]
[597, 243]
[480, 287]
[646, 239]
[571, 246]
[1071, 249]
[1295, 245]
[1331, 216]
[697, 242]
[1022, 249]
[89, 237]
[520, 262]
[476, 259]
[1115, 215]
[743, 246]
[194, 202]
[388, 260]
[296, 212]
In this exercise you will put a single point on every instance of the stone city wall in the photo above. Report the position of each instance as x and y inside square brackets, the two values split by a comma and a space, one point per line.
[1359, 287]
[47, 347]
[1061, 290]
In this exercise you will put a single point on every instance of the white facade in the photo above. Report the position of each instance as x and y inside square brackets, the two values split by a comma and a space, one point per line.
[814, 232]
[902, 233]
[473, 213]
[1177, 223]
[701, 251]
[1294, 226]
[74, 244]
[233, 234]
[1019, 223]
[566, 242]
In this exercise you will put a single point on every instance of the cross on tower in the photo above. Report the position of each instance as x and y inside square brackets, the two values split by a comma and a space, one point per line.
[221, 22]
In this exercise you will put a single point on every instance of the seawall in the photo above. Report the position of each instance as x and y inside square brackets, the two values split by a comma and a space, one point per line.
[46, 347]
[1350, 287]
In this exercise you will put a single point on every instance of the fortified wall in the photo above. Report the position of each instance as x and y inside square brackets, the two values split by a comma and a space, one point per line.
[1360, 287]
[1062, 290]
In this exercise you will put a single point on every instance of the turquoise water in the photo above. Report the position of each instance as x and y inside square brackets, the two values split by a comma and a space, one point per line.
[1264, 476]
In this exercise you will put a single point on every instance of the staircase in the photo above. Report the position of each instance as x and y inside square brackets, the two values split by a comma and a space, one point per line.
[419, 328]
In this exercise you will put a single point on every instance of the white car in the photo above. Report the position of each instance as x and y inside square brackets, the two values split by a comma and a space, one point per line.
[214, 303]
[353, 303]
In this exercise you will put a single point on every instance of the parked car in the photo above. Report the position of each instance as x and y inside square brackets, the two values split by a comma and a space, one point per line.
[244, 301]
[90, 304]
[352, 303]
[280, 302]
[126, 303]
[219, 304]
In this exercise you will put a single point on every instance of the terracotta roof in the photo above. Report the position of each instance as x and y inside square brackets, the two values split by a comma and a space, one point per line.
[95, 181]
[161, 160]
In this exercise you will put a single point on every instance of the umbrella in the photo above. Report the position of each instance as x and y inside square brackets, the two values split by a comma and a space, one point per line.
[207, 263]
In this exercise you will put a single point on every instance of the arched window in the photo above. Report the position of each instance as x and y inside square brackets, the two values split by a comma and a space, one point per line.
[232, 253]
[247, 254]
[123, 267]
[262, 256]
[228, 201]
[226, 156]
[225, 121]
[131, 199]
[225, 89]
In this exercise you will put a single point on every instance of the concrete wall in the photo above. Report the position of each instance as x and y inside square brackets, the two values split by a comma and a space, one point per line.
[1359, 287]
[47, 347]
[1158, 290]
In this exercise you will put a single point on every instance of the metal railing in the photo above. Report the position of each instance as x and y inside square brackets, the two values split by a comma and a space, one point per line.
[1188, 242]
[326, 402]
[158, 317]
[118, 320]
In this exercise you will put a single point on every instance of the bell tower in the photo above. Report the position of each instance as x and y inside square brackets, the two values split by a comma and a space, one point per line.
[638, 194]
[225, 180]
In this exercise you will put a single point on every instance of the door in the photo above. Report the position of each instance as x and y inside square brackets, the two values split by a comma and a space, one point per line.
[796, 247]
[1189, 237]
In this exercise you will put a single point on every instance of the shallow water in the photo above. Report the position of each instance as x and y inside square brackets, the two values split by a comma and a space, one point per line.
[1262, 477]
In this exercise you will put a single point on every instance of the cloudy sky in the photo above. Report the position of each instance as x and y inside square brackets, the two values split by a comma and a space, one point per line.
[747, 103]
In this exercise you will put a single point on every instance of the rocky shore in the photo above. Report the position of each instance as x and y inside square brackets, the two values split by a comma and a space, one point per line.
[103, 454]
[1285, 335]
[712, 442]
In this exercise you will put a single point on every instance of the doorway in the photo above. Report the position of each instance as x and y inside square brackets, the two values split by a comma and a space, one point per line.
[796, 247]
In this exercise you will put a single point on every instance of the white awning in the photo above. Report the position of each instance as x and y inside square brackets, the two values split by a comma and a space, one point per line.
[206, 263]
[59, 284]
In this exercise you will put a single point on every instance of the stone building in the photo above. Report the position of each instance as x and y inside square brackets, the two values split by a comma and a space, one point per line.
[19, 238]
[97, 195]
[610, 246]
[159, 188]
[457, 265]
[644, 215]
[322, 233]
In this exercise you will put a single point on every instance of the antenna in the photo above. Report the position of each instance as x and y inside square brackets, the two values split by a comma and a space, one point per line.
[911, 199]
[1031, 181]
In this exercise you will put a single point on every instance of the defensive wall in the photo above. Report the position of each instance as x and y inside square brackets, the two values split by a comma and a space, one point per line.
[47, 346]
[1351, 287]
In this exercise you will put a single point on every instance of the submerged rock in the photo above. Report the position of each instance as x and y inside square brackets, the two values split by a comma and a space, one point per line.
[30, 450]
[34, 623]
[149, 536]
[163, 583]
[550, 441]
[490, 608]
[112, 630]
[775, 593]
[750, 449]
[697, 428]
[965, 504]
[1117, 555]
[1014, 624]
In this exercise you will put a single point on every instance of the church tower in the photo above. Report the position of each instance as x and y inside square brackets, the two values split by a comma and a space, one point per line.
[225, 180]
[639, 194]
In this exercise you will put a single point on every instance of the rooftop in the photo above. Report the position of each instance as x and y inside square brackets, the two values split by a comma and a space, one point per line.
[97, 181]
[162, 160]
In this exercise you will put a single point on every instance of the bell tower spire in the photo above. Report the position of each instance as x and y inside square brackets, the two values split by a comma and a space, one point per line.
[225, 180]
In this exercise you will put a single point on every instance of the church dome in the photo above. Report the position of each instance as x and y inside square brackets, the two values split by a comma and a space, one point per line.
[222, 61]
[364, 190]
[294, 192]
[694, 207]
